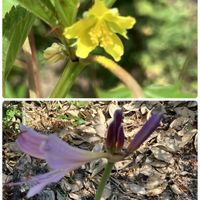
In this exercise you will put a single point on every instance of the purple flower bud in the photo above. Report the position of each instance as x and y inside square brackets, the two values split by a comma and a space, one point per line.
[111, 136]
[120, 138]
[118, 118]
[115, 132]
[148, 128]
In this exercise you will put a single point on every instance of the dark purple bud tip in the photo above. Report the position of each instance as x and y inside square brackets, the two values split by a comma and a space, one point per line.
[148, 128]
[120, 138]
[111, 137]
[112, 134]
[118, 117]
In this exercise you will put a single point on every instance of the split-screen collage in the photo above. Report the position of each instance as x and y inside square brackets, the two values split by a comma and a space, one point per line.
[99, 100]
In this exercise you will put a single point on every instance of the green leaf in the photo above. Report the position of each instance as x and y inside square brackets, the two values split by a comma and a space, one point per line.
[7, 5]
[16, 26]
[168, 91]
[66, 11]
[42, 9]
[16, 92]
[121, 91]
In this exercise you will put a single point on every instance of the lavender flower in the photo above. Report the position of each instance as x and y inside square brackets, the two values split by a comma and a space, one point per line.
[63, 158]
[60, 156]
[148, 128]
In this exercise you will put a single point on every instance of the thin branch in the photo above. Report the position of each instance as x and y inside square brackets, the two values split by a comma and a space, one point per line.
[32, 68]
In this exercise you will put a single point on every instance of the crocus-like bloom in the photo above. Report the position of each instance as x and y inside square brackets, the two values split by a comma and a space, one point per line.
[115, 135]
[98, 28]
[148, 128]
[61, 157]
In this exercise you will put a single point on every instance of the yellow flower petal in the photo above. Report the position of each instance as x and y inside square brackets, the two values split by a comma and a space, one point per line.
[79, 27]
[119, 24]
[98, 9]
[84, 46]
[114, 48]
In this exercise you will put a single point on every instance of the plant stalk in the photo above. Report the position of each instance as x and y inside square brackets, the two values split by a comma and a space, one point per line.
[110, 3]
[103, 180]
[65, 82]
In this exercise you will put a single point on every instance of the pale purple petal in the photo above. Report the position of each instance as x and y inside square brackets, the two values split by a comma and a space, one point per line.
[61, 155]
[30, 142]
[35, 189]
[11, 184]
[40, 181]
[37, 183]
[56, 152]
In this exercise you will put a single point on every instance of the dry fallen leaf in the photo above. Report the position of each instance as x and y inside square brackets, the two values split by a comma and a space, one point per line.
[187, 137]
[158, 190]
[100, 125]
[137, 189]
[175, 189]
[122, 164]
[160, 154]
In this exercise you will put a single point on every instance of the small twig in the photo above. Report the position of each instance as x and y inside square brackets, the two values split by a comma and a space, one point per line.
[32, 69]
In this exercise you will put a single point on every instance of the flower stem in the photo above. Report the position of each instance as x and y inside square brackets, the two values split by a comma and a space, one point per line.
[65, 82]
[103, 180]
[109, 3]
[118, 71]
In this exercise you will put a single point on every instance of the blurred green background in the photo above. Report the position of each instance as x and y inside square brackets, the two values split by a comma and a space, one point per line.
[161, 54]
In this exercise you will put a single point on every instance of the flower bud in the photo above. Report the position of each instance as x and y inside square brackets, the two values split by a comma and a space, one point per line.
[54, 53]
[120, 138]
[111, 136]
[115, 136]
[148, 128]
[118, 117]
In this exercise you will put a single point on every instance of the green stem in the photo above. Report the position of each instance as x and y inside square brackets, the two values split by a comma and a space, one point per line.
[65, 82]
[110, 3]
[103, 180]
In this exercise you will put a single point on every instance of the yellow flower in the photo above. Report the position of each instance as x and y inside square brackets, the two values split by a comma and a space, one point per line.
[98, 28]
